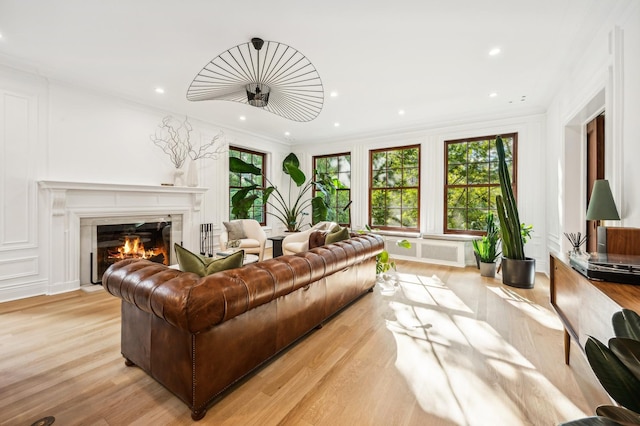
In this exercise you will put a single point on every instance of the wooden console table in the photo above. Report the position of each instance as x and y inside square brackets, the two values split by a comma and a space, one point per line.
[584, 306]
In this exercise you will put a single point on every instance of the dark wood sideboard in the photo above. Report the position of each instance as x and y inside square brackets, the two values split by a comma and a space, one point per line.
[585, 307]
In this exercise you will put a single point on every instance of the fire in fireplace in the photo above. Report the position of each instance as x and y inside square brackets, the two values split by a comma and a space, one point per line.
[141, 240]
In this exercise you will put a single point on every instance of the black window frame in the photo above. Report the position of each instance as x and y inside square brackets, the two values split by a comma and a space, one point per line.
[338, 205]
[263, 157]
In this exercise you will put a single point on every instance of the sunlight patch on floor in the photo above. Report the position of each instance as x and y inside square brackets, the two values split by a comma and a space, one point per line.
[543, 316]
[439, 340]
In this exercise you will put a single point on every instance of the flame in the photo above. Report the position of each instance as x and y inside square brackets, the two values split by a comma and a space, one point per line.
[133, 247]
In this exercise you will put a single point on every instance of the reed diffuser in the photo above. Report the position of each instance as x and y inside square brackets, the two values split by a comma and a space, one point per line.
[577, 240]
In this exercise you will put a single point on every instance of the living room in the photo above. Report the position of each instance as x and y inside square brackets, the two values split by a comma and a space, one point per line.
[80, 126]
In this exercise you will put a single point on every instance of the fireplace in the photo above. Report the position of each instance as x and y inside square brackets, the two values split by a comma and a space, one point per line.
[142, 240]
[137, 237]
[73, 210]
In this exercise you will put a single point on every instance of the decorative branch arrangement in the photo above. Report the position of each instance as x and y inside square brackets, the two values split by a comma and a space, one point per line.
[576, 240]
[208, 150]
[175, 141]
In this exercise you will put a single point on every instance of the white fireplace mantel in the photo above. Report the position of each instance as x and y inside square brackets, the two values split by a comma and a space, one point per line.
[65, 204]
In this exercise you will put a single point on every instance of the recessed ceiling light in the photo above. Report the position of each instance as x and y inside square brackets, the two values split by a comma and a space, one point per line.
[333, 94]
[242, 118]
[495, 51]
[287, 134]
[493, 94]
[400, 112]
[159, 90]
[336, 124]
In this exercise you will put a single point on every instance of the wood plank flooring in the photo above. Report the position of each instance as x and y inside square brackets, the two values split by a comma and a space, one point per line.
[448, 348]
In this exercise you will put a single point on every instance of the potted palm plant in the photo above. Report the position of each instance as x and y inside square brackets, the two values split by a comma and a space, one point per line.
[517, 269]
[486, 248]
[289, 210]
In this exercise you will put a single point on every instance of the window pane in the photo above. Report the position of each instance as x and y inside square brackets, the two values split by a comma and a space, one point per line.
[394, 198]
[410, 218]
[394, 159]
[456, 219]
[411, 157]
[410, 198]
[457, 197]
[378, 217]
[479, 198]
[478, 151]
[393, 218]
[237, 181]
[457, 174]
[394, 177]
[478, 173]
[411, 177]
[379, 160]
[457, 153]
[476, 219]
[379, 178]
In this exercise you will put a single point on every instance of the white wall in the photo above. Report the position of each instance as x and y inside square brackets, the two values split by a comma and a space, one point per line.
[604, 79]
[57, 132]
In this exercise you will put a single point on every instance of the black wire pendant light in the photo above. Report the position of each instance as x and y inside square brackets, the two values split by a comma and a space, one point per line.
[264, 74]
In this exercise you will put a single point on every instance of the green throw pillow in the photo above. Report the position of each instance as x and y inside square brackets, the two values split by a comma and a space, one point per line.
[202, 265]
[334, 237]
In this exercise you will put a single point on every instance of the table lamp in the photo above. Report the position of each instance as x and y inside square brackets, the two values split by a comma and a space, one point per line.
[602, 207]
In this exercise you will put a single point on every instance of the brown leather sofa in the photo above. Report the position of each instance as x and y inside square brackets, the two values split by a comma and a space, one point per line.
[198, 336]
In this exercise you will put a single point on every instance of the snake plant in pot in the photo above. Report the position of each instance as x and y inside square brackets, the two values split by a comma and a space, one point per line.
[486, 249]
[517, 270]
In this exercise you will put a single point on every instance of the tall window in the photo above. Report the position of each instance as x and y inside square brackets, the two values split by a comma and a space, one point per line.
[238, 181]
[471, 182]
[338, 167]
[394, 188]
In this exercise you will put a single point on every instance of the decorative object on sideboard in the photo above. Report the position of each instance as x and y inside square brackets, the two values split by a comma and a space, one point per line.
[264, 74]
[517, 269]
[576, 240]
[602, 207]
[174, 139]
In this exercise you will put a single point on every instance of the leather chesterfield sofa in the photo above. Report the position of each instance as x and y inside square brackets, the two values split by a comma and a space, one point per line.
[199, 336]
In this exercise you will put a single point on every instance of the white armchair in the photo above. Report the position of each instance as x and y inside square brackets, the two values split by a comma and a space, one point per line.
[255, 237]
[298, 242]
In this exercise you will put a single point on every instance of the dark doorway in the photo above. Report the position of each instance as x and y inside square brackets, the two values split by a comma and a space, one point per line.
[595, 170]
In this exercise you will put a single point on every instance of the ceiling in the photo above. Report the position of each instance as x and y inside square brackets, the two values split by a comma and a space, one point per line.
[429, 58]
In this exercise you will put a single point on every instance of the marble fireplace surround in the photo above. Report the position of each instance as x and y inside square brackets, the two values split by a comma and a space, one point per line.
[69, 204]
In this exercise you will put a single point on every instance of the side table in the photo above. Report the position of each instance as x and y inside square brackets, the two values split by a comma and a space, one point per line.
[277, 244]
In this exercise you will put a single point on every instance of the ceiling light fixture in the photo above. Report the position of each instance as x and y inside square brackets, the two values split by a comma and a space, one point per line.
[242, 118]
[493, 94]
[264, 74]
[495, 51]
[336, 124]
[333, 94]
[400, 112]
[159, 90]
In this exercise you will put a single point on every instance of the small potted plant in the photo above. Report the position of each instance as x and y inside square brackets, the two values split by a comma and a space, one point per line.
[487, 248]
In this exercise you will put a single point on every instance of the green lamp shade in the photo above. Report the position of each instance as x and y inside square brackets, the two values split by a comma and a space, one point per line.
[601, 205]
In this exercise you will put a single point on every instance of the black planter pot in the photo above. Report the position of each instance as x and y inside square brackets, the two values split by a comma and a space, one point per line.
[519, 273]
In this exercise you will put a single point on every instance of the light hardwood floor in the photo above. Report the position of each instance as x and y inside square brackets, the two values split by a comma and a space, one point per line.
[448, 348]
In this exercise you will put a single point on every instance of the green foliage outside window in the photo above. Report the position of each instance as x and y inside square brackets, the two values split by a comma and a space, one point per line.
[472, 181]
[395, 188]
[338, 168]
[238, 181]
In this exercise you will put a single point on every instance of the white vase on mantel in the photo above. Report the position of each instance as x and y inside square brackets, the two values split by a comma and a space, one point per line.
[178, 177]
[192, 174]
